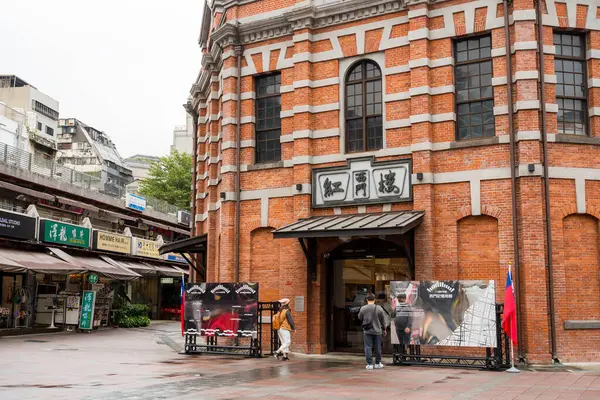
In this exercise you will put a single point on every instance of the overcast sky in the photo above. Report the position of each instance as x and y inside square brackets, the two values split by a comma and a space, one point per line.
[122, 66]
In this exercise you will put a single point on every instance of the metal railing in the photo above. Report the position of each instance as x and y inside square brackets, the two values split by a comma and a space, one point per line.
[43, 165]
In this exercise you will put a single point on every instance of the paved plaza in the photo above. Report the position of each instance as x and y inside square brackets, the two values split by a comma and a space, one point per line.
[145, 364]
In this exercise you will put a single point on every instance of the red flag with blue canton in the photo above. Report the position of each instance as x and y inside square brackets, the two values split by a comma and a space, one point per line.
[509, 319]
[182, 304]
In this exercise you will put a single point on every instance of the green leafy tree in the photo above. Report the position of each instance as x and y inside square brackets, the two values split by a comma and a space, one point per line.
[170, 179]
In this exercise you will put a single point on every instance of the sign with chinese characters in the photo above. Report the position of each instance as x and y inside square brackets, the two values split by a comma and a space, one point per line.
[167, 280]
[15, 225]
[362, 181]
[144, 248]
[111, 242]
[65, 234]
[88, 303]
[135, 202]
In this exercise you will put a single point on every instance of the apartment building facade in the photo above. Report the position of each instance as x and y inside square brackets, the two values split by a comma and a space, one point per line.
[345, 144]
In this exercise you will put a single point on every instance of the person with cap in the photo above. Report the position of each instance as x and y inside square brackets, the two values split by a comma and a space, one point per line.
[286, 326]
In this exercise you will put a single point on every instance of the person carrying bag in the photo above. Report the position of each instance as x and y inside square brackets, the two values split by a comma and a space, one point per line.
[372, 318]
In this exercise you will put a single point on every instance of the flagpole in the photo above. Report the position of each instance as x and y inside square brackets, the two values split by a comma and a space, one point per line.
[512, 368]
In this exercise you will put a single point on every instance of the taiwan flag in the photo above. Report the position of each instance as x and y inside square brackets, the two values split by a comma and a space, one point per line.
[181, 317]
[509, 319]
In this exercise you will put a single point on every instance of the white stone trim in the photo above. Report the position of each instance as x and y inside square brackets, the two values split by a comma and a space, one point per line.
[316, 109]
[286, 113]
[525, 75]
[593, 82]
[286, 89]
[397, 123]
[550, 78]
[475, 186]
[389, 97]
[594, 111]
[399, 69]
[431, 63]
[594, 53]
[499, 52]
[518, 46]
[552, 108]
[499, 81]
[316, 84]
[522, 15]
[243, 144]
[528, 135]
[527, 105]
[501, 110]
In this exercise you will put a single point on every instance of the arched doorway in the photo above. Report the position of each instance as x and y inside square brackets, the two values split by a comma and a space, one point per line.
[354, 269]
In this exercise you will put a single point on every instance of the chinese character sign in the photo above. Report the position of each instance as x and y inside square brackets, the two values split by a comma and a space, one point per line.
[65, 234]
[362, 181]
[86, 317]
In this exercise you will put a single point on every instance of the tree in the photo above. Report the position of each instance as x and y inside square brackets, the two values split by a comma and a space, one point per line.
[170, 179]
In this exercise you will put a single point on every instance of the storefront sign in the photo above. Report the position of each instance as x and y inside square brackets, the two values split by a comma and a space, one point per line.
[93, 278]
[444, 313]
[362, 181]
[166, 280]
[174, 257]
[112, 242]
[88, 304]
[135, 202]
[65, 234]
[145, 248]
[17, 225]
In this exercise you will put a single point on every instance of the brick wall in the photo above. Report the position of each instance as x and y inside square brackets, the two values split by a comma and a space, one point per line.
[466, 190]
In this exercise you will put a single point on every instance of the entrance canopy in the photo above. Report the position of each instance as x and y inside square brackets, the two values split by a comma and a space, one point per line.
[186, 247]
[374, 224]
[193, 245]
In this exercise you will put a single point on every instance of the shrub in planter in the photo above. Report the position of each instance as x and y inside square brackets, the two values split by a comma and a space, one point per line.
[132, 316]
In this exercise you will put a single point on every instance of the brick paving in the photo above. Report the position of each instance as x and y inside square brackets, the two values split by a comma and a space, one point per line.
[144, 364]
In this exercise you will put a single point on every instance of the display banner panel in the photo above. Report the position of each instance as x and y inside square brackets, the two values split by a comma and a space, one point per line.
[444, 313]
[221, 309]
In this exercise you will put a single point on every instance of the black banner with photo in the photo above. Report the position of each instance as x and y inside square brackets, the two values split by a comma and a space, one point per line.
[221, 309]
[15, 225]
[444, 313]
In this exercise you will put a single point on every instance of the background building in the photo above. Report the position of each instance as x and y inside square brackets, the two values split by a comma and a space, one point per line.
[36, 111]
[390, 140]
[90, 151]
[139, 165]
[183, 137]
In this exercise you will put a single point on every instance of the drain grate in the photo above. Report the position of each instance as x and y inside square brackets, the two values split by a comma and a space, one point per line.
[36, 341]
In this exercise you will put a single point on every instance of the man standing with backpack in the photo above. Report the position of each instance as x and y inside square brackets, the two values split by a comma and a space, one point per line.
[284, 324]
[372, 318]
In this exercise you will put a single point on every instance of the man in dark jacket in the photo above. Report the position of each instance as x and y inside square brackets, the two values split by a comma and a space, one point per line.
[372, 318]
[403, 319]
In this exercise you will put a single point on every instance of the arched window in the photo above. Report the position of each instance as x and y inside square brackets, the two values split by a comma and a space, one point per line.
[364, 119]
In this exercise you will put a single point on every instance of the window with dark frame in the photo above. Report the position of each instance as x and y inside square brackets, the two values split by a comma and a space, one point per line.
[364, 109]
[571, 90]
[268, 119]
[49, 131]
[474, 93]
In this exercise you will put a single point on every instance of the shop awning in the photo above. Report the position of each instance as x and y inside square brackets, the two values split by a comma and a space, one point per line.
[76, 203]
[95, 264]
[165, 227]
[193, 245]
[29, 192]
[375, 224]
[139, 267]
[168, 270]
[12, 260]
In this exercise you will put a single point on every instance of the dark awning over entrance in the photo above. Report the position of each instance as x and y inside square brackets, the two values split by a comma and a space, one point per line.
[186, 247]
[196, 244]
[375, 224]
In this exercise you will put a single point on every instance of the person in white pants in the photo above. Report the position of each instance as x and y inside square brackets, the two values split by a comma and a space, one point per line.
[285, 331]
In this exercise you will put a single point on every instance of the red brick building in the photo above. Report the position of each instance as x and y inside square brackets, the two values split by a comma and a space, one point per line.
[398, 112]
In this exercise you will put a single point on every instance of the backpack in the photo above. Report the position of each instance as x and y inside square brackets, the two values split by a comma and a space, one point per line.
[277, 319]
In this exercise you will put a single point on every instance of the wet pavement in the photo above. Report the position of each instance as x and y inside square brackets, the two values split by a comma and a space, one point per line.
[145, 364]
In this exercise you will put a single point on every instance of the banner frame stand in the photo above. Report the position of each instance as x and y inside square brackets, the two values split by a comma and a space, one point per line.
[496, 358]
[253, 349]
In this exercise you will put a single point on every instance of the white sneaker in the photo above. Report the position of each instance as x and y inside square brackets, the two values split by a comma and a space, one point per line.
[369, 366]
[378, 366]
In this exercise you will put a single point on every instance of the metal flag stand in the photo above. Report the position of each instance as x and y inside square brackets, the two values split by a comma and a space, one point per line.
[512, 368]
